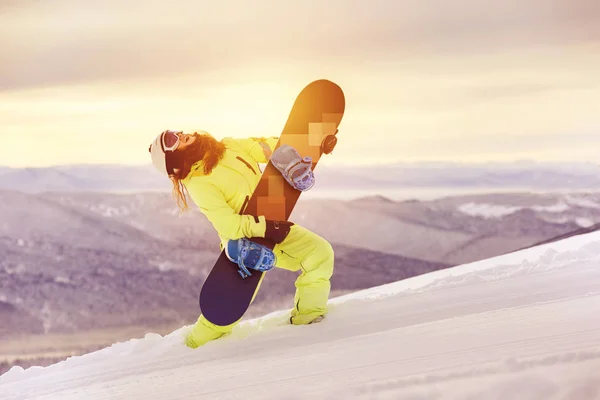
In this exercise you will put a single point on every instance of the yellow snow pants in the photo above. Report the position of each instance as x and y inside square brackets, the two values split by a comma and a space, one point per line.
[304, 251]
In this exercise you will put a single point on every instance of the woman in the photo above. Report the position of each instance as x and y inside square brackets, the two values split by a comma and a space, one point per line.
[219, 176]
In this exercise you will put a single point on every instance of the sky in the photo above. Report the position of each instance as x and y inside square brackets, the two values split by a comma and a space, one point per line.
[443, 80]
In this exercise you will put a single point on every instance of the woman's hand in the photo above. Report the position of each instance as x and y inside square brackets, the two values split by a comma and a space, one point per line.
[277, 231]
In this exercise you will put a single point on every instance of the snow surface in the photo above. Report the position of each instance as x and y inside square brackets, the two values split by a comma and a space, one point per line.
[525, 325]
[487, 210]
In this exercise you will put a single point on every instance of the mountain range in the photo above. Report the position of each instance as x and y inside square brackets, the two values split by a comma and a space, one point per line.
[78, 261]
[134, 178]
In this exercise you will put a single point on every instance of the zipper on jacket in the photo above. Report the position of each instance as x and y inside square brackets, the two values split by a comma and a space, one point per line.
[247, 164]
[241, 174]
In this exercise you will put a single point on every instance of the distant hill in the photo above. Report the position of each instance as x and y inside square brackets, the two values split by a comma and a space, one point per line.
[79, 261]
[111, 178]
[123, 178]
[86, 260]
[83, 269]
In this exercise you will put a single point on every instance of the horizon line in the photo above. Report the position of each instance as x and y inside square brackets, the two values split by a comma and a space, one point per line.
[340, 165]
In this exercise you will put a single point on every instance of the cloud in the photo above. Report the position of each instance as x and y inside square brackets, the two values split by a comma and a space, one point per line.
[448, 79]
[64, 41]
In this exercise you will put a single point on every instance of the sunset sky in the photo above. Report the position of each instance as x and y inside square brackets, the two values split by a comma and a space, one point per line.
[438, 80]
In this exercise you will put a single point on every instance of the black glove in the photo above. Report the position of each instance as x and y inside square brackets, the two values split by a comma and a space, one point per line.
[277, 231]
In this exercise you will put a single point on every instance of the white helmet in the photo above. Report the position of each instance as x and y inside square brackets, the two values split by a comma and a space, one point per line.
[166, 142]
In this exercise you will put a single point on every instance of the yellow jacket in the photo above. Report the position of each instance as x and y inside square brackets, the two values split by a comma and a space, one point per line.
[223, 193]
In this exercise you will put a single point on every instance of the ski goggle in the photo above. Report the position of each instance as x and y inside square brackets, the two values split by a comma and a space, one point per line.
[170, 140]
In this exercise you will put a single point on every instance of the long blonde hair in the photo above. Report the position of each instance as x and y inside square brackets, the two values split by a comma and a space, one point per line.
[205, 148]
[179, 193]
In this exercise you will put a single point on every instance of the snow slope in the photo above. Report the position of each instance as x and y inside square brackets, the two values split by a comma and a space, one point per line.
[520, 326]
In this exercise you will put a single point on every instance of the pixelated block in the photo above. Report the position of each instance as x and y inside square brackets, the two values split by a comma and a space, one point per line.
[299, 142]
[271, 207]
[276, 183]
[332, 117]
[317, 131]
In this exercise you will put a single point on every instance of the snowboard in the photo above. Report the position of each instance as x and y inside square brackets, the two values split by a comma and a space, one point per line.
[311, 129]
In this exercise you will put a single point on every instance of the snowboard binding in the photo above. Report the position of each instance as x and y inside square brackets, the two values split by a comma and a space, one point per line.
[249, 255]
[296, 170]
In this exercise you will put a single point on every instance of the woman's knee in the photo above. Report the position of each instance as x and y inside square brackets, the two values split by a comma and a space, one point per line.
[327, 251]
[322, 258]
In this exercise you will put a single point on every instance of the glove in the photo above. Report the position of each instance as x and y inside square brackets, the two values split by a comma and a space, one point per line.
[277, 231]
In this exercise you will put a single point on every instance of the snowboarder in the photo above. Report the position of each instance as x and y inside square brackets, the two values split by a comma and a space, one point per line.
[220, 176]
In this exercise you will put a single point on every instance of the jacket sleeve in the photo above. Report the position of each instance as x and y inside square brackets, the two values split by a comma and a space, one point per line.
[259, 148]
[224, 219]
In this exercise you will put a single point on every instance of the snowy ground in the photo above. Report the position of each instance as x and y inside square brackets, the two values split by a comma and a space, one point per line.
[520, 326]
